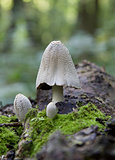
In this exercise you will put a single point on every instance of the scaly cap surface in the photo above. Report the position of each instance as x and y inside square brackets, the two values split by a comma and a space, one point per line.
[21, 106]
[57, 67]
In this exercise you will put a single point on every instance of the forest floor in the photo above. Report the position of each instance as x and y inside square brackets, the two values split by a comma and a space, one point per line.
[98, 88]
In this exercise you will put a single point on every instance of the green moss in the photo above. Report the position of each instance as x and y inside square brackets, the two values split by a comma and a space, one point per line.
[9, 137]
[43, 127]
[33, 113]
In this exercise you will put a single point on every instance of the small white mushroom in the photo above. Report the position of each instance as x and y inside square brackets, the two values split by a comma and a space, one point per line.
[21, 106]
[57, 70]
[51, 110]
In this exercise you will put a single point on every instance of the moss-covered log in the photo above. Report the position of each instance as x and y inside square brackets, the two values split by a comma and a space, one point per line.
[91, 105]
[9, 134]
[38, 127]
[98, 87]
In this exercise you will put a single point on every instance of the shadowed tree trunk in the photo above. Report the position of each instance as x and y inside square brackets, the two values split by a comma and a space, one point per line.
[15, 16]
[88, 15]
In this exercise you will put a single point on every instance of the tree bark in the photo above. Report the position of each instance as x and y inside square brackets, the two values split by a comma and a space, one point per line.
[98, 87]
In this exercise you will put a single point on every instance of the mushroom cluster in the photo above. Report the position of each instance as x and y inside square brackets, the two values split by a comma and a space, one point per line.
[56, 71]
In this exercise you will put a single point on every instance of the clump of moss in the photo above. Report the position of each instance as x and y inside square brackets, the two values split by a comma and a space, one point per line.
[33, 113]
[43, 127]
[8, 136]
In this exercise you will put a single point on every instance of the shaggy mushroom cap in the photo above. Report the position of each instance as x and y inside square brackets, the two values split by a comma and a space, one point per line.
[57, 67]
[21, 106]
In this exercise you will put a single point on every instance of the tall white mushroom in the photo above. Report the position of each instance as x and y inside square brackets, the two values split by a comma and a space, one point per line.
[57, 70]
[21, 106]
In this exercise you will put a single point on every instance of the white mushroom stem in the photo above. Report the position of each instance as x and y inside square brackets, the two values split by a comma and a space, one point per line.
[57, 93]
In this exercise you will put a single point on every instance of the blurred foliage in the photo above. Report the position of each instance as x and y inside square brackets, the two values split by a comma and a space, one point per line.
[28, 26]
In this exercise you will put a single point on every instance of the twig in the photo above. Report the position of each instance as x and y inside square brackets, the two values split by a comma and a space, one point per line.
[15, 124]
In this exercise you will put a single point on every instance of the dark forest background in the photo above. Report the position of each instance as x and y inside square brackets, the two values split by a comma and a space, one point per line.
[86, 27]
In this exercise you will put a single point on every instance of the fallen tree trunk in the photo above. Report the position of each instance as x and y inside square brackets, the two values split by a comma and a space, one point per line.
[98, 87]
